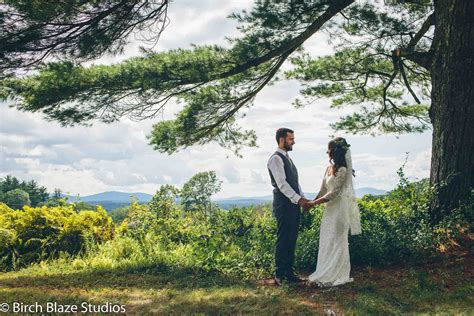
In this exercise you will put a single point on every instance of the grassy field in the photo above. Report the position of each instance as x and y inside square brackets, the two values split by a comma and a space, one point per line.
[436, 288]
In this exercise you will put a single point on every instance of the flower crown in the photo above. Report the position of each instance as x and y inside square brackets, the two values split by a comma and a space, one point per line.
[343, 144]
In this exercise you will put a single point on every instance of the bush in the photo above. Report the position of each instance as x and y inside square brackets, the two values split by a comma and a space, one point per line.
[119, 214]
[33, 234]
[16, 198]
[239, 241]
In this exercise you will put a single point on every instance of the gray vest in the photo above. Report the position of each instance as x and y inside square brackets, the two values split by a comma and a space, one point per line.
[291, 174]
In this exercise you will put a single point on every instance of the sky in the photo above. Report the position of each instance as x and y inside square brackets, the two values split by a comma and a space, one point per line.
[116, 157]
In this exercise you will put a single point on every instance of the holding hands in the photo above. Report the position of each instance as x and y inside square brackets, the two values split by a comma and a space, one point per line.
[305, 204]
[309, 204]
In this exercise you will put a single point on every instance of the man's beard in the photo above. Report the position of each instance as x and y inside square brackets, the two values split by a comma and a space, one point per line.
[288, 147]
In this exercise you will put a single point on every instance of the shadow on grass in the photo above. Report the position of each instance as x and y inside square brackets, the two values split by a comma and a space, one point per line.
[152, 289]
[164, 289]
[178, 278]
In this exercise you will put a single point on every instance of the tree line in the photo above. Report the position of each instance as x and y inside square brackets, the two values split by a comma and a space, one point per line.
[195, 195]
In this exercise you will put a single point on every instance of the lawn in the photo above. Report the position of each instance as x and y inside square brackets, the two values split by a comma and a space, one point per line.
[444, 287]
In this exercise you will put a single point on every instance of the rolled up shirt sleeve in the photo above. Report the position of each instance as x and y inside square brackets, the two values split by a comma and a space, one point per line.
[339, 180]
[276, 167]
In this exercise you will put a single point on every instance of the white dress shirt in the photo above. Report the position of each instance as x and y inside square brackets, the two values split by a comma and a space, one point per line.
[276, 166]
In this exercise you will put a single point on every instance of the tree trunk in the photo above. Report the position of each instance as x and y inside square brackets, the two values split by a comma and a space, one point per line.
[452, 110]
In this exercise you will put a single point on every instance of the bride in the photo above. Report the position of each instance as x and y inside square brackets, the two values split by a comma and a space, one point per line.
[341, 215]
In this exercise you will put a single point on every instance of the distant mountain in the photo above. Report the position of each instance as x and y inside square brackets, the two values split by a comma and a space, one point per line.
[243, 202]
[111, 199]
[112, 196]
[114, 199]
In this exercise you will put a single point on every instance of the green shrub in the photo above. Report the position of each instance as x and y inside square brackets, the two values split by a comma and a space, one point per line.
[16, 198]
[239, 241]
[33, 234]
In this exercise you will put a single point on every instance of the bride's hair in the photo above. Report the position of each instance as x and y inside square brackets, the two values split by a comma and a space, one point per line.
[337, 154]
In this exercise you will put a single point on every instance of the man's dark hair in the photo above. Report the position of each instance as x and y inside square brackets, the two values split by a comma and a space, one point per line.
[281, 132]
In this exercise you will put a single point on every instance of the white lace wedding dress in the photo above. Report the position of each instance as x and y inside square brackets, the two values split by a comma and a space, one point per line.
[341, 215]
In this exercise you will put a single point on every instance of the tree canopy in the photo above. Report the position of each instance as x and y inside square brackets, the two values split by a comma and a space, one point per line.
[35, 31]
[16, 198]
[197, 191]
[35, 193]
[386, 63]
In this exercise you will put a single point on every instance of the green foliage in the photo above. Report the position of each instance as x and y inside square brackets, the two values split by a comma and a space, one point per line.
[57, 199]
[16, 198]
[33, 234]
[382, 58]
[238, 242]
[214, 82]
[386, 66]
[163, 202]
[36, 193]
[57, 193]
[358, 75]
[53, 201]
[197, 191]
[79, 30]
[119, 214]
[242, 242]
[82, 206]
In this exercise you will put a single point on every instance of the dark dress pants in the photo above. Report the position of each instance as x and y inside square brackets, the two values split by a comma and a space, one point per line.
[288, 217]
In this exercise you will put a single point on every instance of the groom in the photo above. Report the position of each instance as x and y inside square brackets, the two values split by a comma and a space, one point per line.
[287, 200]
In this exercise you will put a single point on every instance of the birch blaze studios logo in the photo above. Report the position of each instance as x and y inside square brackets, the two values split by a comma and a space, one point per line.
[54, 307]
